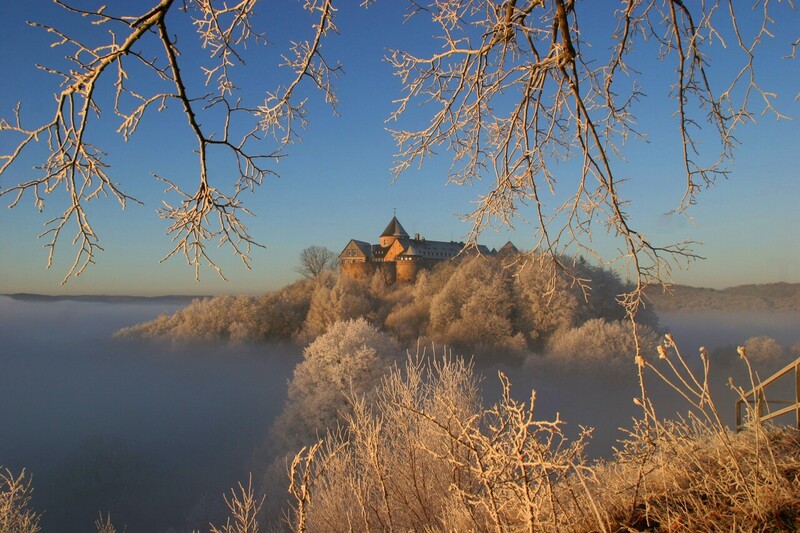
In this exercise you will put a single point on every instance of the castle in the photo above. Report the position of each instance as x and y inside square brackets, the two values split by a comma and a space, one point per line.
[399, 257]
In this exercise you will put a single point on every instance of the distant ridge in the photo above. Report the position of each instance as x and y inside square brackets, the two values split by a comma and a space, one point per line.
[774, 297]
[99, 298]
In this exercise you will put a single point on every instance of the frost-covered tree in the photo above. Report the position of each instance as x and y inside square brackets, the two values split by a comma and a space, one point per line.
[794, 349]
[275, 316]
[763, 349]
[475, 303]
[125, 62]
[601, 343]
[409, 319]
[474, 307]
[547, 301]
[347, 360]
[336, 299]
[205, 319]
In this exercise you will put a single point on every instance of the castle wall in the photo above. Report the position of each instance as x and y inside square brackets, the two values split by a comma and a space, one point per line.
[388, 270]
[356, 269]
[367, 269]
[407, 270]
[391, 271]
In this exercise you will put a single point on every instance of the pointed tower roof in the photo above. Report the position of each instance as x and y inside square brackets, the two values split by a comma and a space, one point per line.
[411, 251]
[508, 248]
[394, 229]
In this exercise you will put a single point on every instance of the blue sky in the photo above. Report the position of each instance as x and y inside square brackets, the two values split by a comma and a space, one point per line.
[337, 183]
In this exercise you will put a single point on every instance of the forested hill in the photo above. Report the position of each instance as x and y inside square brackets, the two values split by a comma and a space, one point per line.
[766, 297]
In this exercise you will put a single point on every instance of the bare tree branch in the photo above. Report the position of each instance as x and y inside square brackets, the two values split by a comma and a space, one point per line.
[517, 88]
[77, 167]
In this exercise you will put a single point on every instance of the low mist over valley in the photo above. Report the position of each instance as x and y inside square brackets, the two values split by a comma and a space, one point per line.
[153, 422]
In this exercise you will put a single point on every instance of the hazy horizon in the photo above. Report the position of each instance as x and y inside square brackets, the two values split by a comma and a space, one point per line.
[188, 296]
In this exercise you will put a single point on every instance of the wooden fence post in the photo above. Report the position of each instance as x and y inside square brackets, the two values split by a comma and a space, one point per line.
[797, 391]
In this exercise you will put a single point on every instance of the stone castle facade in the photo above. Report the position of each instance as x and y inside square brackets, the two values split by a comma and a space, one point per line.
[399, 257]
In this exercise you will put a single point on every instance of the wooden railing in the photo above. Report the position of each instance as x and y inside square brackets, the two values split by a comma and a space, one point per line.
[759, 406]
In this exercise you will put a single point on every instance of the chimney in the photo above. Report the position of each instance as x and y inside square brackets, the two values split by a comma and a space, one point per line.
[416, 236]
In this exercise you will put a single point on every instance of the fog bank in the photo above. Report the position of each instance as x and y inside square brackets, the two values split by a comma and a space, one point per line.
[155, 433]
[150, 432]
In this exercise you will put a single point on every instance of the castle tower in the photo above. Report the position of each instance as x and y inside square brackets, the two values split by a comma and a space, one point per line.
[408, 264]
[392, 232]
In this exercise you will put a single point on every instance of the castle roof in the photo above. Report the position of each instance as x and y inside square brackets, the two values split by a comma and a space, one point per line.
[378, 251]
[394, 229]
[439, 249]
[508, 248]
[411, 251]
[364, 247]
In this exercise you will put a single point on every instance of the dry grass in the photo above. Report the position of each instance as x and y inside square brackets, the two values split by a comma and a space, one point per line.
[15, 496]
[684, 476]
[244, 508]
[427, 457]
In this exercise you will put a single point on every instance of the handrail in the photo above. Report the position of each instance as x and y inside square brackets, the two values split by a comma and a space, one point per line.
[760, 399]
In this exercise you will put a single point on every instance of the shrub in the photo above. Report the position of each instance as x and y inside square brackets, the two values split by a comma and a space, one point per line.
[692, 477]
[426, 457]
[763, 349]
[244, 508]
[599, 341]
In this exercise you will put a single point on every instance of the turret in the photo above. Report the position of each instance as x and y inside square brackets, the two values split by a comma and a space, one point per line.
[392, 232]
